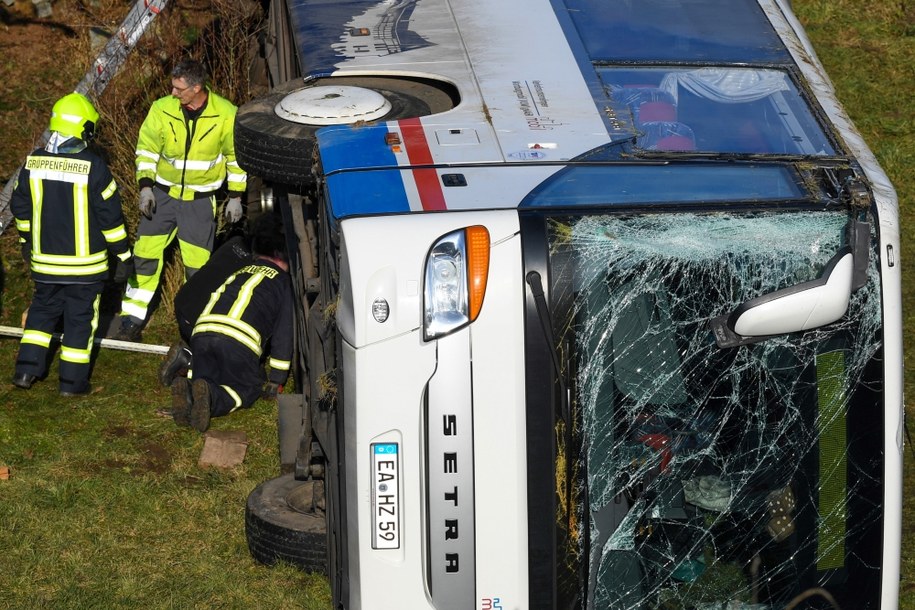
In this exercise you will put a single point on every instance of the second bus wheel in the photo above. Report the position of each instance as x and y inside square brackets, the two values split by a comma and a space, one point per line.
[284, 521]
[275, 134]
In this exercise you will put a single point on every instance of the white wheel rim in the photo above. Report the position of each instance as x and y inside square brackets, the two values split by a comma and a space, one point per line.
[332, 105]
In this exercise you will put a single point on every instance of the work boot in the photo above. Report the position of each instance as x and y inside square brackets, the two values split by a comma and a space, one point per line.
[86, 389]
[181, 401]
[177, 362]
[24, 380]
[200, 408]
[129, 330]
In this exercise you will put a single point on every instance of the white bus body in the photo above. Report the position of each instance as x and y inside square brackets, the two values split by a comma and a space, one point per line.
[599, 305]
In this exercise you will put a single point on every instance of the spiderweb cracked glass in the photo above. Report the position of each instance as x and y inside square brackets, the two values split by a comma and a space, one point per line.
[710, 478]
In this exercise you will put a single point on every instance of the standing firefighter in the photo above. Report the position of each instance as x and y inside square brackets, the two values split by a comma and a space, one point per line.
[68, 214]
[247, 321]
[185, 156]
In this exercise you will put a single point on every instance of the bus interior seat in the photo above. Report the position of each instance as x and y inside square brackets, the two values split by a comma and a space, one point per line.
[667, 135]
[676, 143]
[656, 111]
[635, 96]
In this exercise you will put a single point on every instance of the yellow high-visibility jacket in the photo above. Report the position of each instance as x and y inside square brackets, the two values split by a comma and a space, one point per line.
[191, 157]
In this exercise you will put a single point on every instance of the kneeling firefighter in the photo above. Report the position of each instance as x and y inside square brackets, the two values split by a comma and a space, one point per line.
[246, 323]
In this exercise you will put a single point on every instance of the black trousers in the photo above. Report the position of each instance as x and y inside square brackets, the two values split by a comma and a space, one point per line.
[185, 326]
[234, 373]
[78, 305]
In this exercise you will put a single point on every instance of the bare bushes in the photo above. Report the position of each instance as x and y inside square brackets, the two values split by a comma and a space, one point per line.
[42, 61]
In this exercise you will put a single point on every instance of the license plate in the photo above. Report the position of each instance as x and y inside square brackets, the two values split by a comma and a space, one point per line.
[385, 496]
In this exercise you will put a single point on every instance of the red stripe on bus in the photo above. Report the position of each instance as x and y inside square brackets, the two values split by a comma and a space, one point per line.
[418, 153]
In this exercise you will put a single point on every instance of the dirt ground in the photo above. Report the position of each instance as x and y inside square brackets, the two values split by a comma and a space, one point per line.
[36, 67]
[44, 58]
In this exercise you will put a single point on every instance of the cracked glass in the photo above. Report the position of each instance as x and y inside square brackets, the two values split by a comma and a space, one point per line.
[708, 478]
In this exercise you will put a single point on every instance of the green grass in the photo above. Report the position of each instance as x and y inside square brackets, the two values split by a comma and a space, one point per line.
[107, 508]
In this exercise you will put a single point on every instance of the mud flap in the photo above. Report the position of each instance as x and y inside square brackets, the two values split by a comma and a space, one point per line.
[292, 422]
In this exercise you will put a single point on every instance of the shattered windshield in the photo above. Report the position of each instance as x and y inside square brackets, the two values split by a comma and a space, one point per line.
[719, 110]
[708, 478]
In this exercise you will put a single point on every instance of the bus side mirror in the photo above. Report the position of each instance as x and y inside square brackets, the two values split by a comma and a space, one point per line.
[796, 308]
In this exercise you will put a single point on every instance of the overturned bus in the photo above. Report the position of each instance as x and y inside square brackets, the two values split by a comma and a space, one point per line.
[598, 307]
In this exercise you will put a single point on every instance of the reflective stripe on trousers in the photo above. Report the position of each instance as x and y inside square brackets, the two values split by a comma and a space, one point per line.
[193, 222]
[78, 304]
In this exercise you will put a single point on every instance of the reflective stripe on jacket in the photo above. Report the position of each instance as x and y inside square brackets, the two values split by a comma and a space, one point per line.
[254, 308]
[67, 206]
[190, 157]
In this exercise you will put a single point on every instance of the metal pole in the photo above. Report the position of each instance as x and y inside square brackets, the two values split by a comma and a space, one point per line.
[12, 331]
[105, 66]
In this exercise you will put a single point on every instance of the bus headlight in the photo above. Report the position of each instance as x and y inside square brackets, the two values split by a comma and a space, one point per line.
[455, 281]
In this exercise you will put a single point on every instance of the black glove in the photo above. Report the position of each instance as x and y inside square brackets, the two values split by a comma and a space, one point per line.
[26, 252]
[271, 390]
[123, 271]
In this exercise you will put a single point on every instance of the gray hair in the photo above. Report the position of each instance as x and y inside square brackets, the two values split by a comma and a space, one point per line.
[192, 71]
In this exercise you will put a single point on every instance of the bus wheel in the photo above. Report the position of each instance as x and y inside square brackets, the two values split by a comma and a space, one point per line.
[284, 521]
[275, 134]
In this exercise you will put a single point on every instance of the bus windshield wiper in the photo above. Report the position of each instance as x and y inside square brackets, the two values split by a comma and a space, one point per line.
[546, 325]
[737, 156]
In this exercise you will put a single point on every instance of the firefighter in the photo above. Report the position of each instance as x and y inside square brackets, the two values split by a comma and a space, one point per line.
[68, 214]
[247, 321]
[185, 156]
[193, 296]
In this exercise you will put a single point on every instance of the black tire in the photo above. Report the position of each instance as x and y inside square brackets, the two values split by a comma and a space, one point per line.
[281, 151]
[278, 528]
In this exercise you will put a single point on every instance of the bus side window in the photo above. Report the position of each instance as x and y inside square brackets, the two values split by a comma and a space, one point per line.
[655, 101]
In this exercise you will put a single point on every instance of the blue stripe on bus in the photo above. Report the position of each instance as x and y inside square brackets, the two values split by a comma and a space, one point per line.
[366, 193]
[361, 192]
[345, 147]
